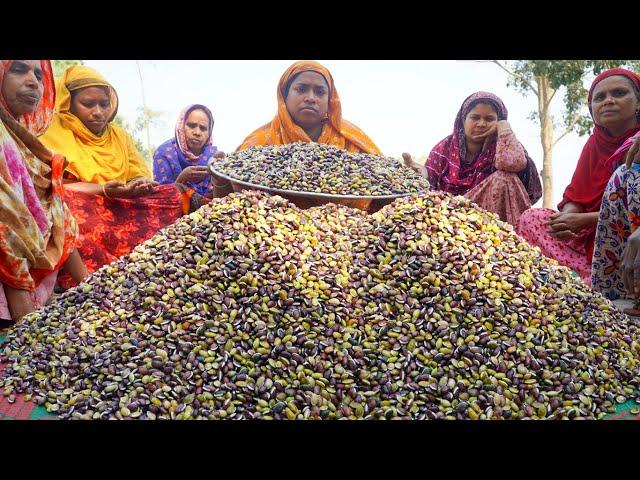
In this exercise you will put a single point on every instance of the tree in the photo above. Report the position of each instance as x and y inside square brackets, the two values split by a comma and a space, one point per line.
[59, 66]
[146, 118]
[544, 78]
[122, 123]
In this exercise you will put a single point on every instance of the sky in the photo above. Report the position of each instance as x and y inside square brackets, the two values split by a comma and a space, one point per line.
[403, 106]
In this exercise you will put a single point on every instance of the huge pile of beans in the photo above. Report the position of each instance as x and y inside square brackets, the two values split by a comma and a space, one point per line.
[253, 308]
[320, 168]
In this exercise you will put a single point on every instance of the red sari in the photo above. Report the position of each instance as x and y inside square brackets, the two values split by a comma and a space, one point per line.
[110, 228]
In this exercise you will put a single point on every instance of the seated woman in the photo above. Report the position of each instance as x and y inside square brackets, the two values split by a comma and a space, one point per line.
[616, 257]
[484, 161]
[37, 230]
[184, 158]
[109, 187]
[308, 111]
[568, 235]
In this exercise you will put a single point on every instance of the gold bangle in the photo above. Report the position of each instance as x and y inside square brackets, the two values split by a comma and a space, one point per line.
[104, 193]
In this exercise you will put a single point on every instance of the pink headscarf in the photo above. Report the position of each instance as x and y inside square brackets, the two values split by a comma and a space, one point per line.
[180, 136]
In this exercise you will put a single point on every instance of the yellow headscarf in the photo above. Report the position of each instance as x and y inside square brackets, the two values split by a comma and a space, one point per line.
[92, 158]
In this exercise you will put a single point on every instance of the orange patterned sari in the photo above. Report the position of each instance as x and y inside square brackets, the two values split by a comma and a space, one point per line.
[38, 230]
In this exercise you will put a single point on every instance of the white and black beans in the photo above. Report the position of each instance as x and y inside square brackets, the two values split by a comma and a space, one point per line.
[252, 308]
[320, 168]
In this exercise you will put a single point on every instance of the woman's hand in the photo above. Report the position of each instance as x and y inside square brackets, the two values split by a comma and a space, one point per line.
[633, 155]
[416, 167]
[114, 189]
[565, 226]
[141, 186]
[487, 137]
[221, 187]
[195, 173]
[135, 188]
[630, 264]
[503, 126]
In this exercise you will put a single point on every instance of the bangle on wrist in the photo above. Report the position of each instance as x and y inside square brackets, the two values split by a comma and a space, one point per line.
[104, 193]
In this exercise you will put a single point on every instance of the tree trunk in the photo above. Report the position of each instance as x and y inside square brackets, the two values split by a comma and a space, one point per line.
[145, 116]
[545, 92]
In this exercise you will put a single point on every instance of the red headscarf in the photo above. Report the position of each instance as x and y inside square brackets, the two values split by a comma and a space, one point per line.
[592, 173]
[38, 120]
[447, 171]
[593, 170]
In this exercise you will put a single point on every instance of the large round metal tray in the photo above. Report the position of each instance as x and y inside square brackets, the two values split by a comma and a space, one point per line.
[312, 199]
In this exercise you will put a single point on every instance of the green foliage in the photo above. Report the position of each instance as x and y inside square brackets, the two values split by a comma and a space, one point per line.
[122, 123]
[568, 76]
[150, 118]
[59, 66]
[138, 130]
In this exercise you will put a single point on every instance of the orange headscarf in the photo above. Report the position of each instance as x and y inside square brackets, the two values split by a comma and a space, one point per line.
[38, 120]
[337, 131]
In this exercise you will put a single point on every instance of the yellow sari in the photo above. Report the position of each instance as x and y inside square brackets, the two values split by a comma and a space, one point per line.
[92, 158]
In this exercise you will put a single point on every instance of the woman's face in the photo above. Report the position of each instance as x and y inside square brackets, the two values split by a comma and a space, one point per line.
[479, 119]
[308, 99]
[92, 106]
[614, 104]
[23, 86]
[196, 130]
